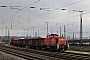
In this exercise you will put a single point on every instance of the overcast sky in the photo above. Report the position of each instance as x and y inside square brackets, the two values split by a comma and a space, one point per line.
[24, 17]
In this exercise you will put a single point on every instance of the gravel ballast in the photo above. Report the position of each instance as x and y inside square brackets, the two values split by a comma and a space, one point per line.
[5, 56]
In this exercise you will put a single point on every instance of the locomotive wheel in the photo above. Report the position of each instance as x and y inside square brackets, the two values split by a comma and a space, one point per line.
[40, 48]
[45, 48]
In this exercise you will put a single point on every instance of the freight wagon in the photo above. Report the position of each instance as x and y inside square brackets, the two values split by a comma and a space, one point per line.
[15, 41]
[31, 42]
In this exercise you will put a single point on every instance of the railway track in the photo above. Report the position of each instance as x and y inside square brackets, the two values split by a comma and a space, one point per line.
[80, 48]
[46, 55]
[21, 54]
[24, 54]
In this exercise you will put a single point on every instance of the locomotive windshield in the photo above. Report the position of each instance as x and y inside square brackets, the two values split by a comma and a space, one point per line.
[53, 35]
[50, 36]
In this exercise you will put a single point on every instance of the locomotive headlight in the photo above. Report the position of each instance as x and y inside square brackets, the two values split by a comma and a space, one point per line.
[57, 46]
[67, 46]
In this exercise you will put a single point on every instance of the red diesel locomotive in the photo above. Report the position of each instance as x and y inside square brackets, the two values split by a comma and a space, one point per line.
[51, 42]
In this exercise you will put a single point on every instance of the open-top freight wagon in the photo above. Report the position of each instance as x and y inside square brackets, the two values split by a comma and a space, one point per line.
[31, 42]
[51, 42]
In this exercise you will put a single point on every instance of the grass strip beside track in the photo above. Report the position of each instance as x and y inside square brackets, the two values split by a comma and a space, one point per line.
[78, 52]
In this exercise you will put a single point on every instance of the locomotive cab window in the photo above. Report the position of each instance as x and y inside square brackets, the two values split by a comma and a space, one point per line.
[51, 36]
